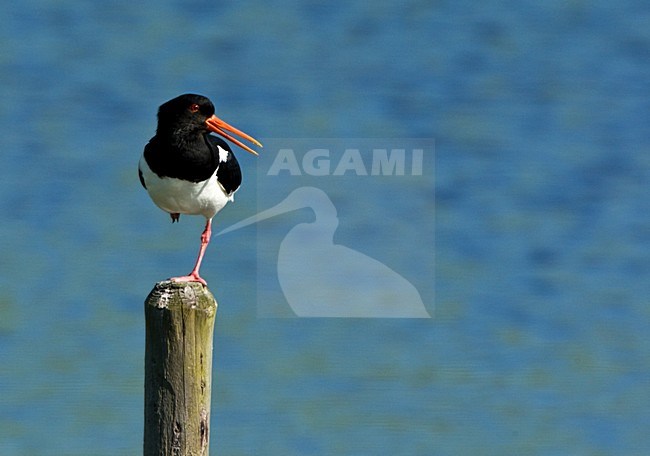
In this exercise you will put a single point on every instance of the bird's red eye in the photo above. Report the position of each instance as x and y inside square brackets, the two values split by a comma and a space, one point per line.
[194, 107]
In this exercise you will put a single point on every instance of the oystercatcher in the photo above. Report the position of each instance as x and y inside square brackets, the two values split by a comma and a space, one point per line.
[186, 170]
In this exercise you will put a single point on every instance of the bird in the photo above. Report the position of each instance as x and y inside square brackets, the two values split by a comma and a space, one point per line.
[187, 170]
[320, 278]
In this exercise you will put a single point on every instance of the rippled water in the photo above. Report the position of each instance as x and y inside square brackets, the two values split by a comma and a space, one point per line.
[539, 342]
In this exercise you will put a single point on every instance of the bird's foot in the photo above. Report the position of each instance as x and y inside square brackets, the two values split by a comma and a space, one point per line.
[192, 277]
[175, 216]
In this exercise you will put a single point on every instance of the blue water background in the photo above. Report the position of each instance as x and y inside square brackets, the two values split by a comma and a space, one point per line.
[540, 341]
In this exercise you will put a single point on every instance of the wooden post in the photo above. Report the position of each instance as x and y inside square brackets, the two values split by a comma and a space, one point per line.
[179, 320]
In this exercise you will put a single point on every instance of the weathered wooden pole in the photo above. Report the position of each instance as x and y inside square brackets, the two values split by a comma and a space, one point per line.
[179, 320]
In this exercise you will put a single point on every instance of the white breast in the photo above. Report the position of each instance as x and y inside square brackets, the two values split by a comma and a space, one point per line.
[178, 196]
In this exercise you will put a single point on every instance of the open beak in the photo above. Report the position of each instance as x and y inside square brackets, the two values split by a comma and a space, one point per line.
[220, 127]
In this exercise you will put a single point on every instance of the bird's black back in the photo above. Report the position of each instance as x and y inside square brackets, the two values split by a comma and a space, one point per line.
[193, 161]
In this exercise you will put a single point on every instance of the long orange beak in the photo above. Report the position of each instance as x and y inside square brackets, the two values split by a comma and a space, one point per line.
[220, 127]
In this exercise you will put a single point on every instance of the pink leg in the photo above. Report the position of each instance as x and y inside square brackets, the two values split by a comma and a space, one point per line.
[194, 275]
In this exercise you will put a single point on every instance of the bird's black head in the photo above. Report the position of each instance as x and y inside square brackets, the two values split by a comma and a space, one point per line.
[184, 114]
[189, 114]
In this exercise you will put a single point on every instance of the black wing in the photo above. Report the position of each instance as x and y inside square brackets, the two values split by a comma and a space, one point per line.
[228, 172]
[141, 178]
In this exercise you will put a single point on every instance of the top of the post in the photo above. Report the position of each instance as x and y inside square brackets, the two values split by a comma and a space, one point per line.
[166, 294]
